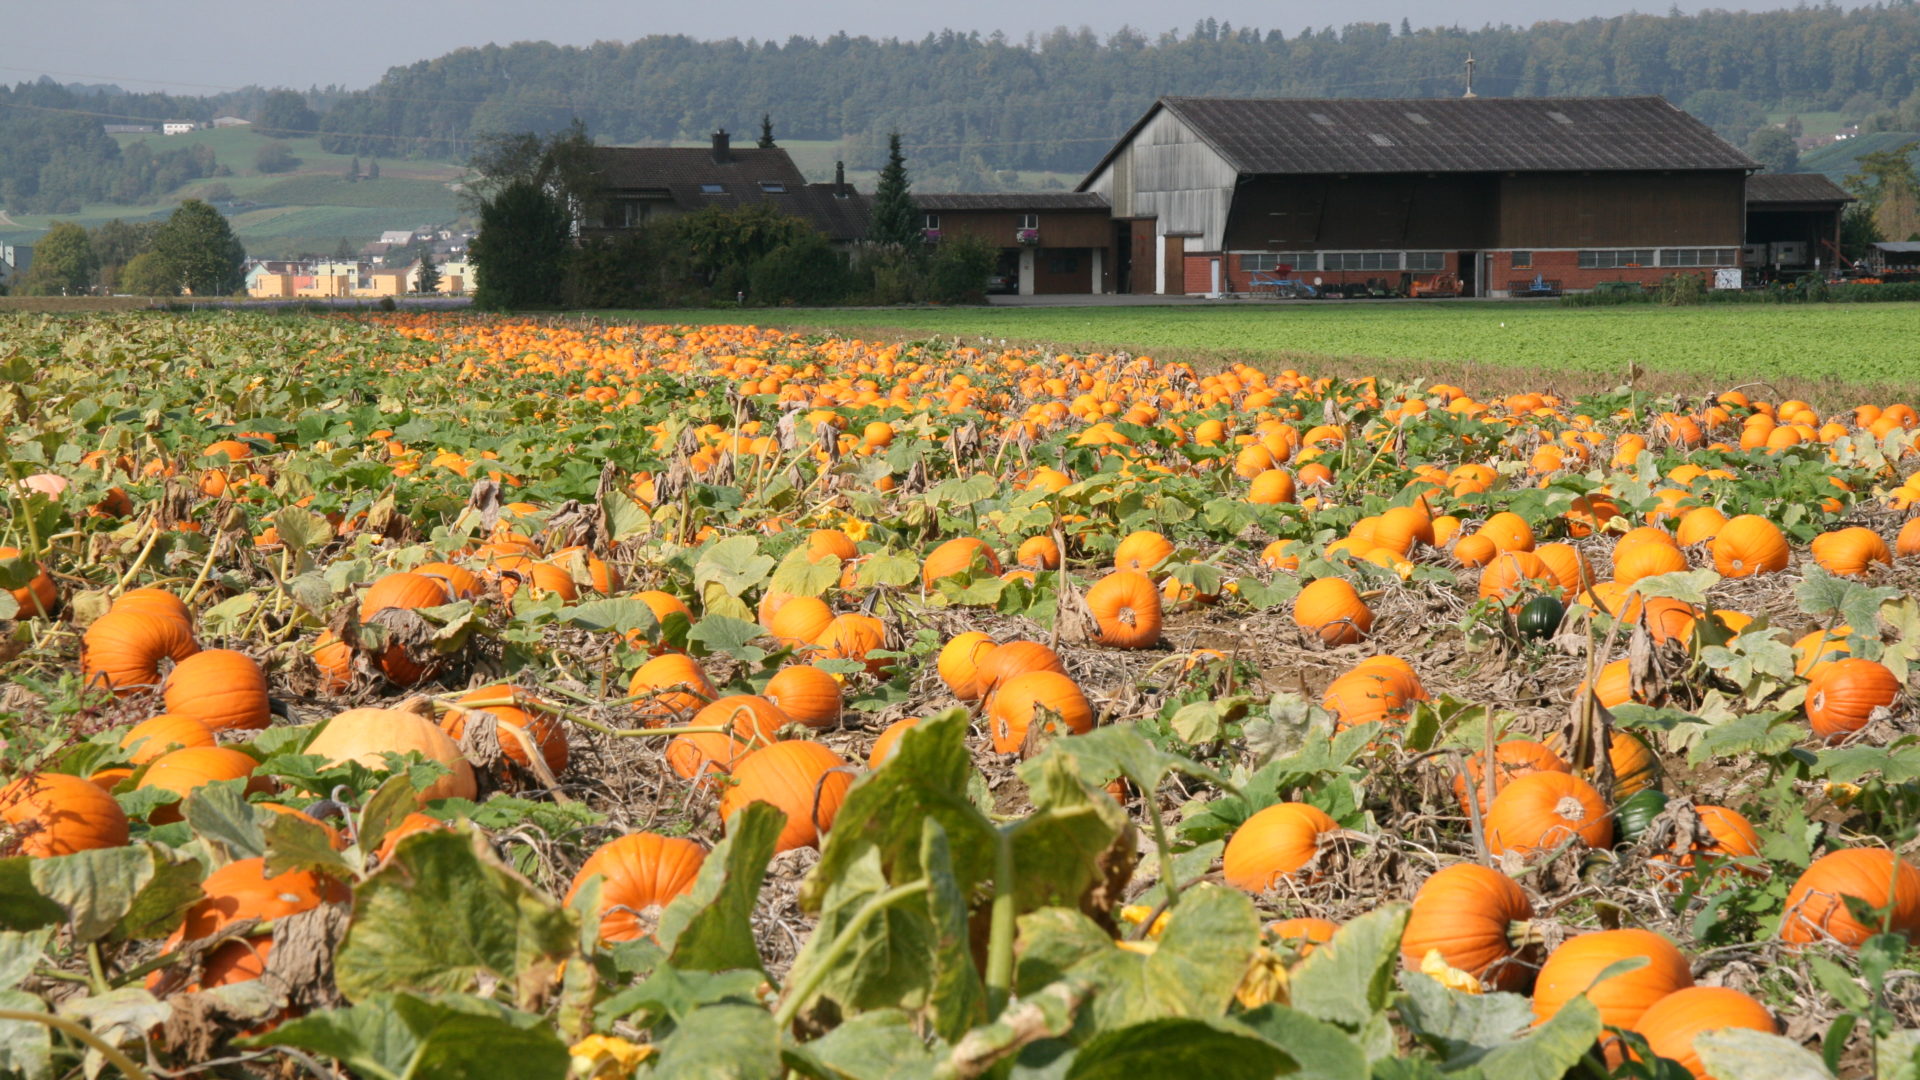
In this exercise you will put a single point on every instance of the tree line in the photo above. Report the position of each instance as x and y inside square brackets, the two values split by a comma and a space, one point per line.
[1056, 102]
[194, 251]
[532, 190]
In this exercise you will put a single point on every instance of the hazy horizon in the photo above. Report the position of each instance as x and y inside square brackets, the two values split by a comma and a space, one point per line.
[218, 45]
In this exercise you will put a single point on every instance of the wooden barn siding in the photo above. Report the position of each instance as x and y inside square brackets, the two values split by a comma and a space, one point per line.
[1167, 173]
[1601, 210]
[1387, 212]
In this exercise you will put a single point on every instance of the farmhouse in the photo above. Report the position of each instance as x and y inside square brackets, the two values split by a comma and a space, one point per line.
[1213, 195]
[1050, 242]
[640, 184]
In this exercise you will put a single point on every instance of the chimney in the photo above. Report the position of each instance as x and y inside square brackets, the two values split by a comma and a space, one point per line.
[722, 149]
[840, 177]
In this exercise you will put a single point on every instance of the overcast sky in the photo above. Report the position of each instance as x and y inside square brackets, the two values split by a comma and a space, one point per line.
[210, 45]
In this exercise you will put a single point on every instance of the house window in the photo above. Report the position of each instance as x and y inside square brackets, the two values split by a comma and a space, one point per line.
[1029, 221]
[1616, 258]
[773, 187]
[1697, 257]
[930, 221]
[713, 189]
[1523, 260]
[1426, 262]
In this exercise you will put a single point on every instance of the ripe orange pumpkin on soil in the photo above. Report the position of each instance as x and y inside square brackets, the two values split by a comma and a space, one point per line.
[1671, 1024]
[368, 735]
[799, 779]
[640, 873]
[1015, 704]
[1815, 910]
[1126, 608]
[1570, 971]
[221, 688]
[1477, 919]
[1540, 811]
[51, 814]
[1278, 841]
[1332, 610]
[515, 710]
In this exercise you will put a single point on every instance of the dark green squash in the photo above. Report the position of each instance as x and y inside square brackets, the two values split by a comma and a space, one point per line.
[1634, 815]
[1540, 617]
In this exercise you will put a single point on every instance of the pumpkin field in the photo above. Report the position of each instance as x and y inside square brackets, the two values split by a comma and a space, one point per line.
[432, 696]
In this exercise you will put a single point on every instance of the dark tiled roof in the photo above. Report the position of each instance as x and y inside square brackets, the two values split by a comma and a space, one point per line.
[1013, 201]
[1794, 188]
[1356, 135]
[751, 175]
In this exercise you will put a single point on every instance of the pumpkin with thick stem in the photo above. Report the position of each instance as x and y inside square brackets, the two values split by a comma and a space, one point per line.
[639, 873]
[1478, 920]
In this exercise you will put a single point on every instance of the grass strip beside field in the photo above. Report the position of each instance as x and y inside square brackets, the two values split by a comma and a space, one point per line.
[1797, 349]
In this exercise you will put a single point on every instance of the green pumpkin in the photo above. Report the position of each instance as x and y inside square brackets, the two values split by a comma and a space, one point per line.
[1540, 617]
[1632, 818]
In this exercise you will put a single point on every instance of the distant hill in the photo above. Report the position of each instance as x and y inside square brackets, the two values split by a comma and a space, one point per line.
[1838, 160]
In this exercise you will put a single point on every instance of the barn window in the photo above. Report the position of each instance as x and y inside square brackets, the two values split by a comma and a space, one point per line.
[1320, 118]
[1615, 258]
[1523, 260]
[1560, 118]
[713, 189]
[1267, 262]
[1379, 139]
[1697, 257]
[1426, 262]
[1029, 221]
[931, 222]
[1417, 118]
[1362, 260]
[773, 187]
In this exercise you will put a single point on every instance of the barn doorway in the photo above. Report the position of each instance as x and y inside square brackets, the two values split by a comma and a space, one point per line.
[1469, 272]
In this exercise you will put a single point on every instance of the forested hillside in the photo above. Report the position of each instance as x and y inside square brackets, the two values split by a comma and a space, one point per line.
[1057, 102]
[973, 107]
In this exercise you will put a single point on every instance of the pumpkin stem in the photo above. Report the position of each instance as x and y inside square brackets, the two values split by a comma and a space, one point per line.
[1569, 809]
[1523, 932]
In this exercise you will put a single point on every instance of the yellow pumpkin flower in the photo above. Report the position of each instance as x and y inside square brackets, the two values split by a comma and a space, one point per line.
[607, 1057]
[1135, 914]
[1266, 981]
[1449, 976]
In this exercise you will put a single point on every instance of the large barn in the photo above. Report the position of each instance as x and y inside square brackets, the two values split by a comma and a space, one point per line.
[1213, 195]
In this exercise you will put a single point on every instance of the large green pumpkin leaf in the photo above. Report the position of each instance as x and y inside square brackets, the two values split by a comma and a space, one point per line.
[722, 1042]
[711, 927]
[443, 912]
[1350, 979]
[1179, 1047]
[403, 1037]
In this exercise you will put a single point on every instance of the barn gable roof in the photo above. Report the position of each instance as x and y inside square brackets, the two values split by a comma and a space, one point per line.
[1278, 136]
[1768, 188]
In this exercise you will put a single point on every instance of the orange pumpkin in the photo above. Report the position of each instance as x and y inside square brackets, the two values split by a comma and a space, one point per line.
[639, 873]
[1749, 545]
[1016, 658]
[957, 556]
[1512, 758]
[959, 664]
[1143, 550]
[185, 771]
[1643, 560]
[888, 741]
[1477, 919]
[799, 778]
[1013, 706]
[154, 602]
[856, 637]
[1815, 910]
[39, 596]
[1278, 841]
[523, 714]
[222, 689]
[150, 739]
[1302, 934]
[369, 735]
[1572, 968]
[1671, 1024]
[1843, 694]
[52, 814]
[806, 694]
[1126, 608]
[1514, 575]
[800, 621]
[1540, 811]
[670, 685]
[753, 719]
[122, 651]
[1850, 552]
[1332, 609]
[1038, 553]
[702, 756]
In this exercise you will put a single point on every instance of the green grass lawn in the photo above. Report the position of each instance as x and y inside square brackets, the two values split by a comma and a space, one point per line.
[1798, 348]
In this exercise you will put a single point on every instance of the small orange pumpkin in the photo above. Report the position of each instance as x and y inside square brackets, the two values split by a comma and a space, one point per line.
[806, 694]
[1278, 841]
[1126, 608]
[1014, 704]
[1542, 810]
[221, 688]
[799, 778]
[640, 873]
